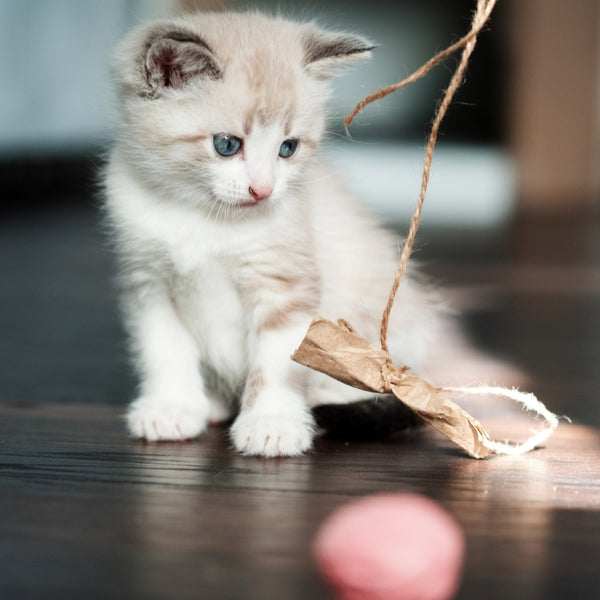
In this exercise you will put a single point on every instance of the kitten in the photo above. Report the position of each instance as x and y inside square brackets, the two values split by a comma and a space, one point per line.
[233, 234]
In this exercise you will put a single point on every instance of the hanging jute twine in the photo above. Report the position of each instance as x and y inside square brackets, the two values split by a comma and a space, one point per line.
[337, 350]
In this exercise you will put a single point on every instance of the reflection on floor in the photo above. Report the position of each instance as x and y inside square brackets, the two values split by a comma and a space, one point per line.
[89, 513]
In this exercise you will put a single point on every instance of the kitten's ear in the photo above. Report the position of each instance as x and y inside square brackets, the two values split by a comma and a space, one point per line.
[326, 53]
[176, 57]
[163, 57]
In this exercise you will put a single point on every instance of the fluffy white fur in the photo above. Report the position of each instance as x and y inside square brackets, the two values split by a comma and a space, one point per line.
[219, 287]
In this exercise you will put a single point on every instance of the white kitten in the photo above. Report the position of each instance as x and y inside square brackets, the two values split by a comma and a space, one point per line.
[233, 234]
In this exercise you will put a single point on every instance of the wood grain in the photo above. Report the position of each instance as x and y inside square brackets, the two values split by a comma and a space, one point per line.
[85, 512]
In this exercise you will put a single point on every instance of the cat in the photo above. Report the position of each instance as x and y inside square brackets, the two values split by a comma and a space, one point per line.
[233, 234]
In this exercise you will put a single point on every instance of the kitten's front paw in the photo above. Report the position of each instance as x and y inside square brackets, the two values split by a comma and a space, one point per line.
[158, 420]
[254, 434]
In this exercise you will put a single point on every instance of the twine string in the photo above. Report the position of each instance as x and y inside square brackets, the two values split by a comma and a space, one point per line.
[467, 43]
[388, 371]
[479, 19]
[530, 404]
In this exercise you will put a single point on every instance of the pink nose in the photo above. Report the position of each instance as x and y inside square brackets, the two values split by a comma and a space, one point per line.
[260, 192]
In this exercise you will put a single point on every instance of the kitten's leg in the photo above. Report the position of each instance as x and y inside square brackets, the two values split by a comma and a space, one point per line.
[172, 404]
[274, 419]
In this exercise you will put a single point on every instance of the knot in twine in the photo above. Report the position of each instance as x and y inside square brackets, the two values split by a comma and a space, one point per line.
[338, 351]
[391, 374]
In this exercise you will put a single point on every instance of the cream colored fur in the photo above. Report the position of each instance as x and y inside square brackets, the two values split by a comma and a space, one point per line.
[218, 287]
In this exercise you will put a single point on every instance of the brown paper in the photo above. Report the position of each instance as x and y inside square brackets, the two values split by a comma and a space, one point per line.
[443, 414]
[338, 351]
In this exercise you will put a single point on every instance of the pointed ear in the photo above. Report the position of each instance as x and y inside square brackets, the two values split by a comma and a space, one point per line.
[326, 53]
[172, 58]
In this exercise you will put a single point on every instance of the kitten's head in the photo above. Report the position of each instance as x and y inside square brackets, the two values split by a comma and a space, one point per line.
[224, 110]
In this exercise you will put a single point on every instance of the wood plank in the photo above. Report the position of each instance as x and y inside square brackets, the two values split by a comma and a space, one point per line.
[87, 511]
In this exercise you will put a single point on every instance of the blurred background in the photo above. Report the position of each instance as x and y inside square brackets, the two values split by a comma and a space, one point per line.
[515, 178]
[523, 131]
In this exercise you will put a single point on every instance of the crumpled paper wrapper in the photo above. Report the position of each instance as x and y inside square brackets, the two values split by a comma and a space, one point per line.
[338, 351]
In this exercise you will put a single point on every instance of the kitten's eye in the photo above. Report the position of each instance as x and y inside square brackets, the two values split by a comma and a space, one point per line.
[288, 148]
[227, 145]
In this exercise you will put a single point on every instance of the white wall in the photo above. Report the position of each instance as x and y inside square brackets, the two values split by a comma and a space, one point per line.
[54, 68]
[56, 96]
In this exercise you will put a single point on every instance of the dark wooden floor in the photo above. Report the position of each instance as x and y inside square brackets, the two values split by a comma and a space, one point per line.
[87, 513]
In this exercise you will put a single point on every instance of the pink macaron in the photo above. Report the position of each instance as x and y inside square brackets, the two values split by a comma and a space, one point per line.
[394, 546]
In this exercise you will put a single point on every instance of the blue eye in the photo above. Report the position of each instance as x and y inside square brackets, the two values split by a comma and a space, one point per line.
[227, 145]
[288, 148]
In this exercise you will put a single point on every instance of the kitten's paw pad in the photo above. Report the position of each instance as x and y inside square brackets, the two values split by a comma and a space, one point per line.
[272, 435]
[157, 421]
